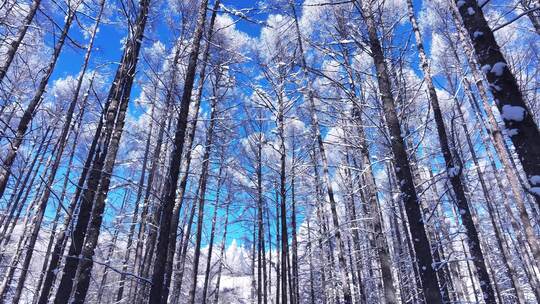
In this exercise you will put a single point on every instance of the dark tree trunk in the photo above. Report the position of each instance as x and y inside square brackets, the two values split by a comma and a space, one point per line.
[499, 143]
[91, 212]
[14, 45]
[294, 243]
[188, 145]
[505, 89]
[453, 169]
[424, 259]
[171, 180]
[30, 110]
[62, 236]
[261, 258]
[130, 64]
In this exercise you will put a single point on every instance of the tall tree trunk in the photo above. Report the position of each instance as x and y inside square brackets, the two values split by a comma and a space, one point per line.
[222, 249]
[131, 58]
[62, 236]
[311, 266]
[254, 289]
[278, 249]
[36, 100]
[260, 223]
[421, 244]
[283, 199]
[14, 45]
[171, 180]
[294, 243]
[453, 169]
[505, 89]
[203, 185]
[212, 234]
[188, 144]
[498, 141]
[135, 218]
[102, 168]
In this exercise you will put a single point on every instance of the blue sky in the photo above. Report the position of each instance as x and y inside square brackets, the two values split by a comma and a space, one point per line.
[108, 51]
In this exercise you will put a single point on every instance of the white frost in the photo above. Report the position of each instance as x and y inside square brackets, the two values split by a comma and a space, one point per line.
[498, 68]
[535, 180]
[453, 171]
[515, 113]
[478, 34]
[536, 190]
[512, 132]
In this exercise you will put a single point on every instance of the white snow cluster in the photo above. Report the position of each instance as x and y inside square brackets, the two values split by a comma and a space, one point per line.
[535, 180]
[453, 171]
[512, 132]
[498, 68]
[478, 34]
[515, 113]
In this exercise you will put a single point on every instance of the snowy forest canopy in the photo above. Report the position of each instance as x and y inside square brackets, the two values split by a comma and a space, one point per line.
[280, 151]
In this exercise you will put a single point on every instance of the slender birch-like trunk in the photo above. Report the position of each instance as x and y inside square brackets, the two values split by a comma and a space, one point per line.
[14, 45]
[36, 100]
[171, 180]
[424, 259]
[453, 168]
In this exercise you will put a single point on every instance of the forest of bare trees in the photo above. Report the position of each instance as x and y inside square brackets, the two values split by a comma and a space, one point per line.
[279, 151]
